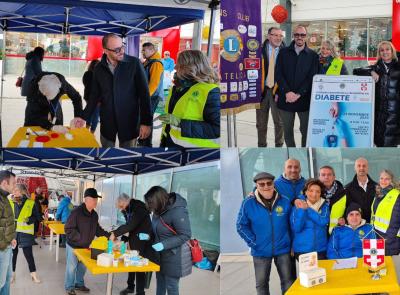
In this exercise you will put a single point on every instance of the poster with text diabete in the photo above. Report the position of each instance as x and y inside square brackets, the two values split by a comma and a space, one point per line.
[341, 112]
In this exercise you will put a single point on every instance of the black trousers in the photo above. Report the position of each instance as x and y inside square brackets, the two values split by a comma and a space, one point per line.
[28, 256]
[140, 282]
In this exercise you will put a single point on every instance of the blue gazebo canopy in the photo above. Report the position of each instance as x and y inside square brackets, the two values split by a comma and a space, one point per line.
[90, 17]
[106, 160]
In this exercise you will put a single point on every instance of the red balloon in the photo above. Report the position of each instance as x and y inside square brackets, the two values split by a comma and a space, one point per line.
[279, 14]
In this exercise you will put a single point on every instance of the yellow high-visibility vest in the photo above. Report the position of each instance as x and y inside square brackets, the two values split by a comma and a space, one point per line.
[381, 218]
[335, 67]
[25, 213]
[190, 107]
[337, 211]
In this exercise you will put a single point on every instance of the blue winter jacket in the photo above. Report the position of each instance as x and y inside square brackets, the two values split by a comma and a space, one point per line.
[266, 232]
[64, 209]
[288, 188]
[310, 228]
[346, 242]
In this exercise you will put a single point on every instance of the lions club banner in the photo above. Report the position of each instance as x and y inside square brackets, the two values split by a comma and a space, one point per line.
[240, 50]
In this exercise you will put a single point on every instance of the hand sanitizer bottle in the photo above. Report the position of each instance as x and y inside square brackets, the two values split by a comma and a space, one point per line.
[110, 247]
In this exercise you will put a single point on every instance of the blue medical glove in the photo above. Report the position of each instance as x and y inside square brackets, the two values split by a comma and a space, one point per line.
[158, 247]
[143, 237]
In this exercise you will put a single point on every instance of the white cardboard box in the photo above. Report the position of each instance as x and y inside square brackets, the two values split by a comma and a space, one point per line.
[313, 277]
[105, 259]
[309, 272]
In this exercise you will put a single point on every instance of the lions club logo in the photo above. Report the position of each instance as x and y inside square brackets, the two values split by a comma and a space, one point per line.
[279, 210]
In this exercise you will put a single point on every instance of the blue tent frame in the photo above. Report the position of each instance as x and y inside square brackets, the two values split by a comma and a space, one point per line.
[106, 160]
[90, 17]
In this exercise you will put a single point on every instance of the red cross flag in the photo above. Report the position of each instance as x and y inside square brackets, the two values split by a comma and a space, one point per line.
[374, 252]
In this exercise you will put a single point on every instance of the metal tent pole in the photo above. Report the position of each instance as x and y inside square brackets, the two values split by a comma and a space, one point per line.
[234, 130]
[2, 86]
[228, 130]
[213, 6]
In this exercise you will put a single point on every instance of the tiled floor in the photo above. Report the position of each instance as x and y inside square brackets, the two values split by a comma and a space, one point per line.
[52, 275]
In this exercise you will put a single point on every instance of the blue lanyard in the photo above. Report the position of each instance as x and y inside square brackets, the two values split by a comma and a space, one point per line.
[55, 109]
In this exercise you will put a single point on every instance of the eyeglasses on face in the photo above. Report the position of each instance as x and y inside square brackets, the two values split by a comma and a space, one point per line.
[297, 35]
[118, 49]
[266, 183]
[277, 35]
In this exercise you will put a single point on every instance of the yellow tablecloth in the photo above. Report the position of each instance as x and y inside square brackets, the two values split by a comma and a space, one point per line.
[91, 264]
[82, 137]
[57, 228]
[48, 222]
[350, 281]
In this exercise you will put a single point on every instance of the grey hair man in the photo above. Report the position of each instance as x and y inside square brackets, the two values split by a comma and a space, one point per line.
[138, 223]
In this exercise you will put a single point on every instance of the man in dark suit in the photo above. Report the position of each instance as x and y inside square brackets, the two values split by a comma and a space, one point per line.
[295, 69]
[270, 51]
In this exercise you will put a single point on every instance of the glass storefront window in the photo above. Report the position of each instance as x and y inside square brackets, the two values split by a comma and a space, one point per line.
[315, 31]
[342, 160]
[379, 30]
[272, 160]
[201, 188]
[146, 181]
[350, 38]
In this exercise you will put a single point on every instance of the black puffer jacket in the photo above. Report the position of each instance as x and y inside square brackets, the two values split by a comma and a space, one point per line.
[137, 221]
[355, 194]
[175, 259]
[387, 102]
[38, 108]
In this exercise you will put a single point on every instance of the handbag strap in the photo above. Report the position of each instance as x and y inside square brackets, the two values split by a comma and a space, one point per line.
[168, 226]
[23, 71]
[174, 231]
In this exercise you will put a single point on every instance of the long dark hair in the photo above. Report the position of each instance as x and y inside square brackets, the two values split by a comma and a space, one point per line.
[38, 52]
[156, 199]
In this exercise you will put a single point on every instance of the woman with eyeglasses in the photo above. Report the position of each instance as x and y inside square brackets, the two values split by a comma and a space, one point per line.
[386, 74]
[309, 220]
[192, 109]
[263, 223]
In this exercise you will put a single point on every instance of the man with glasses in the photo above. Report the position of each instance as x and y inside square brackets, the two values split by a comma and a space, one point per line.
[270, 51]
[263, 222]
[121, 88]
[296, 66]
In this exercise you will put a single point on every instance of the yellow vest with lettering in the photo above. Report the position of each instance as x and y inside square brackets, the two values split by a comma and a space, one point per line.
[381, 218]
[335, 67]
[26, 212]
[190, 107]
[337, 211]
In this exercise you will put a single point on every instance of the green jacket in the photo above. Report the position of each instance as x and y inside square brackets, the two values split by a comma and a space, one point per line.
[7, 222]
